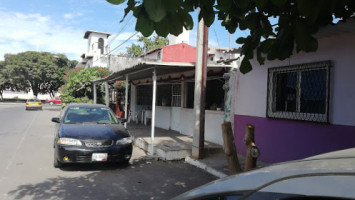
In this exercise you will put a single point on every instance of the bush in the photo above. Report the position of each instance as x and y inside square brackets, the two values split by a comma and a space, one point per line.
[78, 87]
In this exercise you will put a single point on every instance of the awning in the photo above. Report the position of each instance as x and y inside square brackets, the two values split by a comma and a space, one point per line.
[145, 69]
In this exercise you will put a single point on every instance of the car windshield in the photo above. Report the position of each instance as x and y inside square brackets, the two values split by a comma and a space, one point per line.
[33, 100]
[90, 115]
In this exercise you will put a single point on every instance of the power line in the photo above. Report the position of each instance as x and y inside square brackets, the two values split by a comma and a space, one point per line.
[117, 46]
[216, 36]
[123, 42]
[120, 31]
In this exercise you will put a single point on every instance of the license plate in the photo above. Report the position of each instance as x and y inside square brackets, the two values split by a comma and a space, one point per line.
[99, 157]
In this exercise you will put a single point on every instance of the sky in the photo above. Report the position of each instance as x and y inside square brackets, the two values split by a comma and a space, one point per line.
[58, 26]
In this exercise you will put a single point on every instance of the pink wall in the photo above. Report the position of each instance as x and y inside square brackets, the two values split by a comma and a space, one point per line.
[284, 140]
[179, 53]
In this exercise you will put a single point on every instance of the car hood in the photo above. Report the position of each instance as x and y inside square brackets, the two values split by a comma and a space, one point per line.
[259, 178]
[93, 131]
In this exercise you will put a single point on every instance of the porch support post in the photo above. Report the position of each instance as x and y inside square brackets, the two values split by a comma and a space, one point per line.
[107, 99]
[126, 102]
[95, 93]
[153, 110]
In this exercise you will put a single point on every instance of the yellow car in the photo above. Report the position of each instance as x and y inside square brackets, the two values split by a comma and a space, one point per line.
[33, 104]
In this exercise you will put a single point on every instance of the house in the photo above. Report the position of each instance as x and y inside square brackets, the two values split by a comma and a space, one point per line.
[97, 49]
[301, 106]
[171, 70]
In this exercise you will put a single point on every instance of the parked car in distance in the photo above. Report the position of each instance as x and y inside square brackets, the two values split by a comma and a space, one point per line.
[328, 176]
[33, 104]
[88, 133]
[54, 100]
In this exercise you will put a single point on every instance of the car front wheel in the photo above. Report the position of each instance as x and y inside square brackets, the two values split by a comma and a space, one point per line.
[57, 164]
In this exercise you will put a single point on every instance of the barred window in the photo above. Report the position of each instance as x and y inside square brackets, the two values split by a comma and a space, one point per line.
[176, 95]
[299, 92]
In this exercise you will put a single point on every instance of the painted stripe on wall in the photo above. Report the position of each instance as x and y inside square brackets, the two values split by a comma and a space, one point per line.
[283, 140]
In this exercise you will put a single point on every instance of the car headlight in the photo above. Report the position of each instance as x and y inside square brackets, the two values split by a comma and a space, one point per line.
[69, 141]
[127, 140]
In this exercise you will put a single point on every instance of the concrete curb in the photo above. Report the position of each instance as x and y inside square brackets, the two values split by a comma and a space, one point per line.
[203, 166]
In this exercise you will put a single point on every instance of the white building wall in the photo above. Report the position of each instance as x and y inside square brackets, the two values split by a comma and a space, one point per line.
[154, 56]
[251, 88]
[94, 51]
[163, 117]
[187, 121]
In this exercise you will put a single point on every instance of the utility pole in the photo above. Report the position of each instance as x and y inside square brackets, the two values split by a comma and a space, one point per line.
[200, 91]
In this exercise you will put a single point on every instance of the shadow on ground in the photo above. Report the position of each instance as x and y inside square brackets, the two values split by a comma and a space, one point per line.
[141, 180]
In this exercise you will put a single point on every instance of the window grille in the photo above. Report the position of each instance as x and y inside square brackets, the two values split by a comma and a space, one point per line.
[299, 92]
[176, 95]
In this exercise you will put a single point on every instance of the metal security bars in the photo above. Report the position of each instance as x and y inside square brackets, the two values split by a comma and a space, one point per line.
[176, 95]
[299, 92]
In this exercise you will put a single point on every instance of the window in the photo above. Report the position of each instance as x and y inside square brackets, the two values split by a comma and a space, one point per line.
[101, 45]
[144, 95]
[299, 92]
[176, 95]
[214, 95]
[163, 95]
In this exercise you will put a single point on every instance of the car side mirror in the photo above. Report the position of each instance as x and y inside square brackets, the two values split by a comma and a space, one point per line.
[56, 119]
[122, 120]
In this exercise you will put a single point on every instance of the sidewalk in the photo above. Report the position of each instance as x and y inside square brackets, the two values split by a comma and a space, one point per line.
[171, 145]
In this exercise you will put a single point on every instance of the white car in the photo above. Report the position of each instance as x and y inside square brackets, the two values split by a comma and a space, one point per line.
[328, 176]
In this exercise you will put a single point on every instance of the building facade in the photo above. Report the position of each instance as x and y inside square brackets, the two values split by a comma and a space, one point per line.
[97, 50]
[301, 106]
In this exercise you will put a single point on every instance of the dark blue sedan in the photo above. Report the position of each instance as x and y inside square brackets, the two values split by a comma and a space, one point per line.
[88, 133]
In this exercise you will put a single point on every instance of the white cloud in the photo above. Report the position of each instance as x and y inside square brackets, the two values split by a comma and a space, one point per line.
[68, 16]
[29, 32]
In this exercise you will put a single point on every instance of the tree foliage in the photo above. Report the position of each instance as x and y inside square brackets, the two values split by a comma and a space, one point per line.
[78, 85]
[40, 71]
[148, 43]
[297, 22]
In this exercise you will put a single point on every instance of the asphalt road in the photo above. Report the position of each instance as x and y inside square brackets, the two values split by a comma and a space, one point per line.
[27, 172]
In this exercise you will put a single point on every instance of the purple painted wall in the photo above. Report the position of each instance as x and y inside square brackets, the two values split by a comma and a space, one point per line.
[283, 140]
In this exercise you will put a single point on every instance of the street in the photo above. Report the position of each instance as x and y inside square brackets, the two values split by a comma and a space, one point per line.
[27, 172]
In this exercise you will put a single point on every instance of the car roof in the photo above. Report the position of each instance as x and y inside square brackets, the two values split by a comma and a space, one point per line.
[86, 105]
[340, 162]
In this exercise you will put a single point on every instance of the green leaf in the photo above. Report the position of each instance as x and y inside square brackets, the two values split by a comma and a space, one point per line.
[241, 40]
[260, 57]
[224, 5]
[130, 7]
[279, 3]
[260, 4]
[176, 24]
[208, 16]
[155, 9]
[116, 2]
[162, 27]
[245, 66]
[188, 21]
[145, 26]
[172, 5]
[312, 45]
[139, 11]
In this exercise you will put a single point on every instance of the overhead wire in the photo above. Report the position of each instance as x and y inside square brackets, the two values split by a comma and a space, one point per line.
[120, 31]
